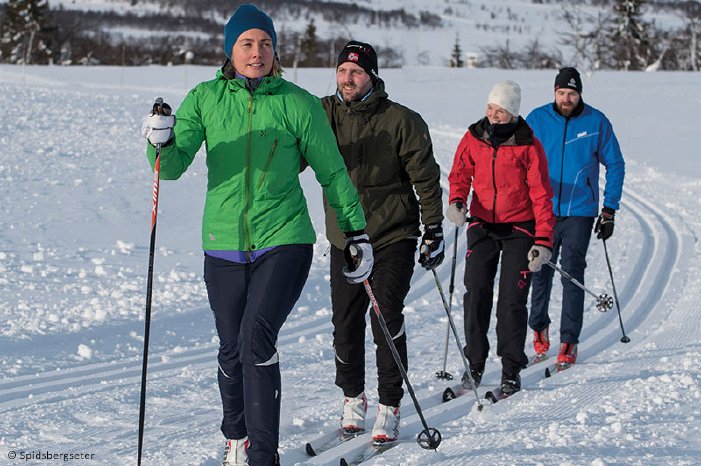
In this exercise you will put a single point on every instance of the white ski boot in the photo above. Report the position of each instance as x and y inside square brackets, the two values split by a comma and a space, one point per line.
[235, 452]
[386, 425]
[354, 410]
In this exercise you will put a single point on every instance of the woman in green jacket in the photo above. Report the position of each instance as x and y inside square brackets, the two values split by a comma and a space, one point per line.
[256, 232]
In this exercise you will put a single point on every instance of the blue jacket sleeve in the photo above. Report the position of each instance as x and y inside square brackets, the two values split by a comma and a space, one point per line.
[611, 157]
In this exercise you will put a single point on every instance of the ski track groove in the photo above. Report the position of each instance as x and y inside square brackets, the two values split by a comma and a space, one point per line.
[28, 389]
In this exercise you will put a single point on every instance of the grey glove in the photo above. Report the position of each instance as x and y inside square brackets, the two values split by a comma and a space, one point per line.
[537, 257]
[457, 213]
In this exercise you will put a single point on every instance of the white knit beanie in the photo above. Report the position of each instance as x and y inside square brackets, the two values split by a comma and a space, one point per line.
[507, 95]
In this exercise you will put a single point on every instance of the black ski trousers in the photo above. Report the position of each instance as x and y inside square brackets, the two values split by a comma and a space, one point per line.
[250, 303]
[486, 242]
[391, 275]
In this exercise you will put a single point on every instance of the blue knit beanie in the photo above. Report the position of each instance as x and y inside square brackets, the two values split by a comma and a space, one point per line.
[244, 18]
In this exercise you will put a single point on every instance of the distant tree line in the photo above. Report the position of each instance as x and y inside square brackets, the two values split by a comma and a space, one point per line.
[30, 32]
[611, 35]
[597, 34]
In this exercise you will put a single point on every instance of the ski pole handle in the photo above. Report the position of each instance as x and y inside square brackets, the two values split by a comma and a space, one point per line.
[161, 108]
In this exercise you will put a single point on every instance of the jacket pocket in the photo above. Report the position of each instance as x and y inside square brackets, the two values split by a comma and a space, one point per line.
[267, 164]
[591, 190]
[521, 229]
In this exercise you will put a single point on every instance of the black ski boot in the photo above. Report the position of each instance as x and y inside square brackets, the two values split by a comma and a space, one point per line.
[476, 377]
[510, 384]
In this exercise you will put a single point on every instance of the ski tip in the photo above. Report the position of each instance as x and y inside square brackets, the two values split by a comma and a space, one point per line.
[448, 394]
[547, 373]
[309, 449]
[344, 462]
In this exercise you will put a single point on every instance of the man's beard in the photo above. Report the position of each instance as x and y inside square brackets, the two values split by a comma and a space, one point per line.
[350, 93]
[566, 111]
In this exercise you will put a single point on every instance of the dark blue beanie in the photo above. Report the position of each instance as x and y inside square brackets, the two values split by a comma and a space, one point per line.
[244, 18]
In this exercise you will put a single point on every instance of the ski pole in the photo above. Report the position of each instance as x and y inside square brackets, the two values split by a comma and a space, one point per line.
[428, 438]
[624, 338]
[443, 375]
[457, 340]
[604, 302]
[158, 107]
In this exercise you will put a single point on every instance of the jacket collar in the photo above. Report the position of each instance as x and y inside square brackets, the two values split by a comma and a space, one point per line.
[369, 104]
[227, 72]
[522, 134]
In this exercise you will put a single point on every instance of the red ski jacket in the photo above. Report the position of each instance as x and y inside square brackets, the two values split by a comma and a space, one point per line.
[510, 182]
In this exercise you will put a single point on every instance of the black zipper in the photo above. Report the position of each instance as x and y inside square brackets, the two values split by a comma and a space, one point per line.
[494, 183]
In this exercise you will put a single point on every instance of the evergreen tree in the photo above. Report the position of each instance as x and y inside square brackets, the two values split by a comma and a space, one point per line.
[456, 60]
[309, 47]
[26, 33]
[630, 45]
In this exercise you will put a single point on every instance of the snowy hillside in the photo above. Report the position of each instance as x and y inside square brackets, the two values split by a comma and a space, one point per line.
[74, 229]
[478, 24]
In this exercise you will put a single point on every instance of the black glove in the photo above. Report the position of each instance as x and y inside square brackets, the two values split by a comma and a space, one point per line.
[604, 224]
[432, 248]
[359, 257]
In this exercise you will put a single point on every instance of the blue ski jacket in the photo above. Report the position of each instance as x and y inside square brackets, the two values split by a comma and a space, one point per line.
[574, 148]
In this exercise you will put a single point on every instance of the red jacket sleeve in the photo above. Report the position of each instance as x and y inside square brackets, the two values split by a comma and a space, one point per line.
[541, 194]
[460, 177]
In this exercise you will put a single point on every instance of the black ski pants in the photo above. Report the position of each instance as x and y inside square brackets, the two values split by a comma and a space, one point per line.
[486, 242]
[391, 275]
[250, 303]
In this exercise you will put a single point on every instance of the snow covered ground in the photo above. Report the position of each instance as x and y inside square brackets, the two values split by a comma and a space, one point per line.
[75, 193]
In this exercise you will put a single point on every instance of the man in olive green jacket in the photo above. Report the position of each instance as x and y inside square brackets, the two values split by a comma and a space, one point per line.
[388, 153]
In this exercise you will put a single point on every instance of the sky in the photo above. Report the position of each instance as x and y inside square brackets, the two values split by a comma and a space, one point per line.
[74, 237]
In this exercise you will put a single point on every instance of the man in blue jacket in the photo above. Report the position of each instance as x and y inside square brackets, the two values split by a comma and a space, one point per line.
[577, 139]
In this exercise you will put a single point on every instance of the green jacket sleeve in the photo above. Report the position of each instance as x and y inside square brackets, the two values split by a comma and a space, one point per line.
[318, 146]
[177, 156]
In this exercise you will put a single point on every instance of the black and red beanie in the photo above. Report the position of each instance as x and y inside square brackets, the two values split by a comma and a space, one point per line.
[568, 78]
[361, 54]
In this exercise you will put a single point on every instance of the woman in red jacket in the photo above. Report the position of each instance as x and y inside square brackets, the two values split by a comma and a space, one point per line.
[511, 211]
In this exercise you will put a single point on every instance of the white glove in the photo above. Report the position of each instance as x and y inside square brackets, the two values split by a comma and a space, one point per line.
[457, 213]
[158, 129]
[537, 257]
[359, 258]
